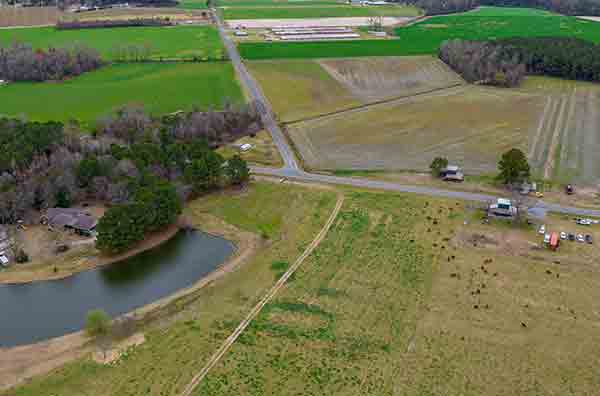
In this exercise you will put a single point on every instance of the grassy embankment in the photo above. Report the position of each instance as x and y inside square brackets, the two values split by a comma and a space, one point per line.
[175, 349]
[159, 87]
[425, 37]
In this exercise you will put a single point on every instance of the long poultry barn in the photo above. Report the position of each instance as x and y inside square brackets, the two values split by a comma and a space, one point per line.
[314, 33]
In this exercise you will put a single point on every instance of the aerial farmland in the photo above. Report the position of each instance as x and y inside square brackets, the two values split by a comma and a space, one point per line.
[356, 197]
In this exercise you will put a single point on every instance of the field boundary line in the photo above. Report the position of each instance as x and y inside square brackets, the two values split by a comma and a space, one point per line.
[558, 130]
[264, 301]
[540, 128]
[374, 104]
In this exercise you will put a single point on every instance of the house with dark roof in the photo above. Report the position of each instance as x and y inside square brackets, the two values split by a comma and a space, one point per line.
[70, 219]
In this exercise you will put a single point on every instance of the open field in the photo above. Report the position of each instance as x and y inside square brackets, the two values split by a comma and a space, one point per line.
[566, 144]
[183, 336]
[160, 87]
[298, 89]
[375, 79]
[326, 49]
[312, 22]
[177, 42]
[323, 11]
[175, 14]
[470, 125]
[493, 23]
[29, 16]
[384, 305]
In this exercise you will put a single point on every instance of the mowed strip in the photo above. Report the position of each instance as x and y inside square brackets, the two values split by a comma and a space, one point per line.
[159, 87]
[565, 145]
[176, 42]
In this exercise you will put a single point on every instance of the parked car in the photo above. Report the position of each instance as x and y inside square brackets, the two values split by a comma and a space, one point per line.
[547, 239]
[571, 237]
[588, 239]
[569, 189]
[580, 238]
[584, 222]
[542, 229]
[563, 235]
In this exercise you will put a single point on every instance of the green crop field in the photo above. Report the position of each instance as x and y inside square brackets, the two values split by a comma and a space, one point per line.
[325, 49]
[425, 37]
[277, 3]
[192, 5]
[317, 12]
[493, 23]
[160, 87]
[177, 42]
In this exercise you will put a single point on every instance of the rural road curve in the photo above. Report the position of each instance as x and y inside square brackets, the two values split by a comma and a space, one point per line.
[264, 301]
[254, 90]
[292, 170]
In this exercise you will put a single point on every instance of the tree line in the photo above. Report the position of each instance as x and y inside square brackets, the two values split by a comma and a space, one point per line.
[483, 62]
[20, 62]
[50, 164]
[505, 62]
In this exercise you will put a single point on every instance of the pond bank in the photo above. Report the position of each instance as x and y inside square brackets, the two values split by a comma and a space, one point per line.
[27, 274]
[17, 364]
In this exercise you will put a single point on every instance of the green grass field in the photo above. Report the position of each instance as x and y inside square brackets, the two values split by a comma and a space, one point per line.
[494, 23]
[425, 37]
[179, 42]
[316, 12]
[324, 49]
[277, 3]
[192, 5]
[160, 87]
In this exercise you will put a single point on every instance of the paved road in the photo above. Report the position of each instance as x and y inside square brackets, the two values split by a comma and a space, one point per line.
[300, 175]
[254, 90]
[292, 170]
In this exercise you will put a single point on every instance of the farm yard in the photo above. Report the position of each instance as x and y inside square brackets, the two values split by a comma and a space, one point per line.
[408, 133]
[177, 42]
[159, 87]
[299, 89]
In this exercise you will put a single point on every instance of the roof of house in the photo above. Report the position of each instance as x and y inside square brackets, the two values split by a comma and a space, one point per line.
[504, 201]
[75, 218]
[451, 168]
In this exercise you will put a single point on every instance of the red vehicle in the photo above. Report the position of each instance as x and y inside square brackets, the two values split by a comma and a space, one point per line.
[554, 241]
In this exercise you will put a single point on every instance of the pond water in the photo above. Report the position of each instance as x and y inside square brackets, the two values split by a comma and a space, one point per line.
[37, 311]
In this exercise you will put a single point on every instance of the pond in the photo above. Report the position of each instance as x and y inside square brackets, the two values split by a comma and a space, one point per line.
[41, 310]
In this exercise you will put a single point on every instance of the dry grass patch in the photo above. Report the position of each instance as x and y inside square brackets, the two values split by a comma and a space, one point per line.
[472, 126]
[299, 89]
[374, 79]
